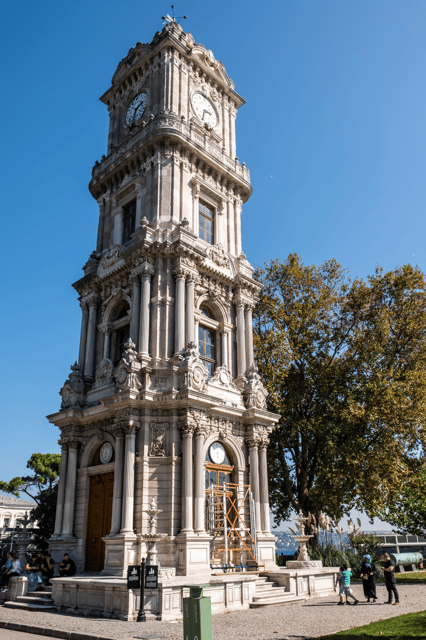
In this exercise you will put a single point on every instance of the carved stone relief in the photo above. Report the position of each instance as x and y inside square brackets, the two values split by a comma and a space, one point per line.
[158, 439]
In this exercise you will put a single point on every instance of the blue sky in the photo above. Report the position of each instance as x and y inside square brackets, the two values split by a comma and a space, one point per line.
[333, 133]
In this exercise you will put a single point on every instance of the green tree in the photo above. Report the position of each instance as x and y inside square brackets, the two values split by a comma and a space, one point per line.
[344, 363]
[40, 486]
[407, 510]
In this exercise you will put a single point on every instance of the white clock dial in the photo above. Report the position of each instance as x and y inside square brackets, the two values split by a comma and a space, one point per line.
[136, 109]
[217, 453]
[105, 454]
[204, 109]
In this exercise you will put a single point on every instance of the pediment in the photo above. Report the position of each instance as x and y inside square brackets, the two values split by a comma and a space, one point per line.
[206, 56]
[134, 55]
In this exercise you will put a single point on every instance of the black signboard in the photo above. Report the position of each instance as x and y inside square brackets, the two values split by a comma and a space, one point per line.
[151, 576]
[133, 577]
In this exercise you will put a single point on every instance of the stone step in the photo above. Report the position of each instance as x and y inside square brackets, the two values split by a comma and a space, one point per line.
[39, 594]
[271, 600]
[266, 586]
[34, 600]
[29, 607]
[268, 593]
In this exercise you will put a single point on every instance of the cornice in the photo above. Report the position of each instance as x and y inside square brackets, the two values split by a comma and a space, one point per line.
[167, 124]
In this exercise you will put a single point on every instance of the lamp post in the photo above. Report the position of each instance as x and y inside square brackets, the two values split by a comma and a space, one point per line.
[141, 613]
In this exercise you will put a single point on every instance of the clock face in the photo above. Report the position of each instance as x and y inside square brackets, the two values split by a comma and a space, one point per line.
[105, 454]
[217, 453]
[204, 109]
[136, 109]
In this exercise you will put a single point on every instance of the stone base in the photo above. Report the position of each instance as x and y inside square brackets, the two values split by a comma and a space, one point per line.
[266, 552]
[109, 597]
[193, 554]
[315, 582]
[120, 551]
[303, 564]
[58, 546]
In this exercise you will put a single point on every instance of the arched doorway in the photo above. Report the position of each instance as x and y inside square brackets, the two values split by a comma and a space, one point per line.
[229, 512]
[99, 510]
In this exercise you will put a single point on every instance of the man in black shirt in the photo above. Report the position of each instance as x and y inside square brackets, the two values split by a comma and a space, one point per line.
[67, 567]
[390, 580]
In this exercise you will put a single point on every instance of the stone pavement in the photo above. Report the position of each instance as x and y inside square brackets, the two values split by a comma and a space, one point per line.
[302, 620]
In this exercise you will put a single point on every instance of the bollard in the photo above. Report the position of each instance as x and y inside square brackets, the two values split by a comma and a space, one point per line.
[197, 615]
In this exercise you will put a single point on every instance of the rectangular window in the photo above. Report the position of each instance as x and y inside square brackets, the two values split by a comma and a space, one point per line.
[129, 220]
[205, 223]
[206, 347]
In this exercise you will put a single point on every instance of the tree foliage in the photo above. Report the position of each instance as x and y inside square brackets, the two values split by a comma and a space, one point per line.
[45, 468]
[344, 363]
[407, 511]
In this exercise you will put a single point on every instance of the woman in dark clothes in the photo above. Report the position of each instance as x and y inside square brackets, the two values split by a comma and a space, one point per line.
[368, 575]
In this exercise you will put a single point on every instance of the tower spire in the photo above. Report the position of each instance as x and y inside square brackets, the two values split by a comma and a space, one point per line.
[173, 18]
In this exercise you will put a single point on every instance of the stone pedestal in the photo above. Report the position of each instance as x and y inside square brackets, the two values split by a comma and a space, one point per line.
[60, 545]
[120, 551]
[193, 554]
[266, 552]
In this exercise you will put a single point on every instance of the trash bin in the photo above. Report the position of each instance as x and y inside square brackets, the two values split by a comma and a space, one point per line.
[197, 615]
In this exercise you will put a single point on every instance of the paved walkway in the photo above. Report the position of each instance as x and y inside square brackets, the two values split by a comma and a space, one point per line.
[309, 619]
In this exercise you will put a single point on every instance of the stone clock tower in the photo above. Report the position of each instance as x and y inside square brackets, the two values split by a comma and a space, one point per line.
[165, 401]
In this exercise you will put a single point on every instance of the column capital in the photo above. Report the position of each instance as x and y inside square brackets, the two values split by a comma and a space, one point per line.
[179, 273]
[146, 271]
[72, 443]
[92, 300]
[84, 305]
[253, 441]
[130, 427]
[187, 430]
[117, 431]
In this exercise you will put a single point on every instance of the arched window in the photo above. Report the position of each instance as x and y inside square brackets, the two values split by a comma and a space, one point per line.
[207, 340]
[129, 219]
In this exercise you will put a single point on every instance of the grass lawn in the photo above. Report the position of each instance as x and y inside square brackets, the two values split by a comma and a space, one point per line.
[410, 625]
[411, 577]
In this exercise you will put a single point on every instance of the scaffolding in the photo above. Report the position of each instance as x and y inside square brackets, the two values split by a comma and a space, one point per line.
[232, 523]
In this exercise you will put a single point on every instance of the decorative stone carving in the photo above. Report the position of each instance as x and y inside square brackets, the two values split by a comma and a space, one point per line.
[103, 375]
[127, 370]
[222, 377]
[158, 439]
[72, 393]
[219, 256]
[192, 371]
[254, 392]
[110, 257]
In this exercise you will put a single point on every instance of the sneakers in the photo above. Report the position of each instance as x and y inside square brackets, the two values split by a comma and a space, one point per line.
[388, 602]
[394, 603]
[356, 601]
[341, 603]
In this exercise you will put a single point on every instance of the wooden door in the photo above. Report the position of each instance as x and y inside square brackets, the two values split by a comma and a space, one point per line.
[98, 519]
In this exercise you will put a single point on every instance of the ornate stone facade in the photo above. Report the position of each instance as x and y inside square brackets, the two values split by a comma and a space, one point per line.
[166, 368]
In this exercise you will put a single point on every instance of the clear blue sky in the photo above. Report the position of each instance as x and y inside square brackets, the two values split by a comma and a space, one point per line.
[333, 133]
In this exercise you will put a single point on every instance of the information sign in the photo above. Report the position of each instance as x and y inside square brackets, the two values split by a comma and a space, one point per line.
[134, 577]
[151, 576]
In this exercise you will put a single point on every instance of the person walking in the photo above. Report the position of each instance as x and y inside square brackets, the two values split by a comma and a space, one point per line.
[368, 575]
[345, 584]
[390, 580]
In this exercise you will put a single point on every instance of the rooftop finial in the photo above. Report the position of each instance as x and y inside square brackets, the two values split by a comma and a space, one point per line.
[173, 18]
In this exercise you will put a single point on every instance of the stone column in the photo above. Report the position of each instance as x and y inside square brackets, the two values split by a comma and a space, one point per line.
[83, 336]
[129, 478]
[199, 482]
[146, 274]
[263, 482]
[180, 311]
[68, 519]
[249, 336]
[136, 305]
[224, 336]
[118, 483]
[186, 431]
[241, 342]
[107, 336]
[254, 478]
[138, 216]
[190, 291]
[91, 337]
[61, 491]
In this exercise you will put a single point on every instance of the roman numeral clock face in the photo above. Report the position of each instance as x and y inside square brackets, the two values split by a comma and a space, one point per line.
[204, 110]
[136, 109]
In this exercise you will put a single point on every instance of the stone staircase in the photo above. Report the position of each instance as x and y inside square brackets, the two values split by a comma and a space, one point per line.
[33, 601]
[268, 593]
